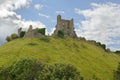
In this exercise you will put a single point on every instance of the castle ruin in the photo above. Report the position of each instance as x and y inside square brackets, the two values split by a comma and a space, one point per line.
[67, 26]
[31, 33]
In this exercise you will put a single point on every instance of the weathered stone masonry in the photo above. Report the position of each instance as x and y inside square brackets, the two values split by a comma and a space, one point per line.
[67, 26]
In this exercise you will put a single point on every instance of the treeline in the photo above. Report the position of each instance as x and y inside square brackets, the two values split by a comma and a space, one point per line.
[30, 69]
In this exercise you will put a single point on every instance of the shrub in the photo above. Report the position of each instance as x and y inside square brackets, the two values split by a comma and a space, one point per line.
[25, 69]
[5, 74]
[60, 33]
[22, 34]
[14, 36]
[8, 39]
[103, 46]
[117, 51]
[61, 72]
[30, 69]
[117, 73]
[42, 30]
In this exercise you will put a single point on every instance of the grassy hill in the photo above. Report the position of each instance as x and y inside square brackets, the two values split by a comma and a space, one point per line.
[86, 57]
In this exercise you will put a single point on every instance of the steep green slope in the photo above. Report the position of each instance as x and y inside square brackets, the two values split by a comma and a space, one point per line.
[88, 58]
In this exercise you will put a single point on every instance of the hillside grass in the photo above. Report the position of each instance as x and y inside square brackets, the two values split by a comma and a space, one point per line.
[88, 58]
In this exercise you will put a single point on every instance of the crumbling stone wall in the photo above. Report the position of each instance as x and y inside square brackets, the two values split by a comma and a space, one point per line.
[31, 33]
[67, 26]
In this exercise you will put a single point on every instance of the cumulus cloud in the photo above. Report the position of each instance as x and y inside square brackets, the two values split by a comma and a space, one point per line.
[102, 23]
[44, 15]
[38, 6]
[36, 24]
[10, 20]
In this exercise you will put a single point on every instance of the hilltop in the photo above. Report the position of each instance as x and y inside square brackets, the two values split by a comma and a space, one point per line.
[88, 58]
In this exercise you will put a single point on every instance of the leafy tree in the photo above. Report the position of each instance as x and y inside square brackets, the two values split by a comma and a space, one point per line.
[14, 36]
[22, 34]
[103, 46]
[8, 38]
[117, 51]
[60, 33]
[29, 69]
[61, 72]
[42, 30]
[117, 73]
[25, 69]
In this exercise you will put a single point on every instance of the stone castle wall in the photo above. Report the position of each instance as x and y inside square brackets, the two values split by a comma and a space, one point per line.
[67, 26]
[31, 33]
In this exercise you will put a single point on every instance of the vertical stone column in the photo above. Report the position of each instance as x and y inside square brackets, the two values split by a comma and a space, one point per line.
[19, 31]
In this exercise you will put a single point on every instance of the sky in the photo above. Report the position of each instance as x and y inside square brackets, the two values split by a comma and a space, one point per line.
[93, 19]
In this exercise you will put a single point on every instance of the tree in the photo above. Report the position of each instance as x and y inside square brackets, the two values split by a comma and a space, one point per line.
[117, 51]
[117, 73]
[8, 38]
[30, 69]
[42, 30]
[61, 72]
[25, 69]
[14, 36]
[22, 34]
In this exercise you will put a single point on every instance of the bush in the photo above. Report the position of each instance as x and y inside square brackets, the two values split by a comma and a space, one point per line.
[29, 69]
[60, 33]
[25, 69]
[14, 36]
[42, 30]
[117, 73]
[117, 51]
[22, 34]
[8, 39]
[103, 46]
[62, 72]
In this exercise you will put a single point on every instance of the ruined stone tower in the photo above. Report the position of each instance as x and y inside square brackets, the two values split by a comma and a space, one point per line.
[67, 26]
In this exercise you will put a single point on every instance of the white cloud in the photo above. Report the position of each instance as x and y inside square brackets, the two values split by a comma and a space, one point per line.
[38, 6]
[10, 20]
[36, 24]
[44, 15]
[60, 12]
[102, 23]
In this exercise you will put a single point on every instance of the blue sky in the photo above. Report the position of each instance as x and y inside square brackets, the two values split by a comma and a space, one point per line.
[93, 19]
[51, 6]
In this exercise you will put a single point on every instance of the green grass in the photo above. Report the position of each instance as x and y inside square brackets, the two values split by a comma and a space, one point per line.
[88, 58]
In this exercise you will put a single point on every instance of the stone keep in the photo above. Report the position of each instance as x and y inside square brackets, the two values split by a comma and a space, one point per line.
[67, 26]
